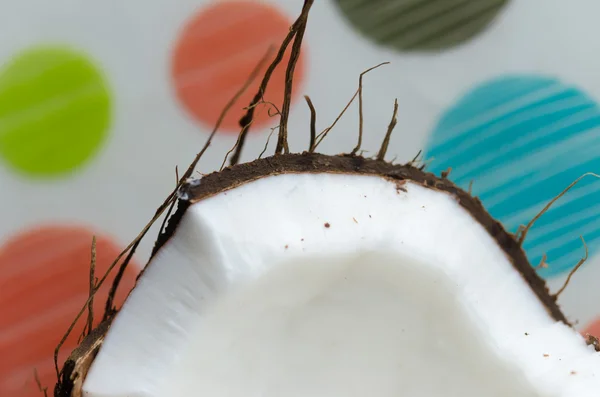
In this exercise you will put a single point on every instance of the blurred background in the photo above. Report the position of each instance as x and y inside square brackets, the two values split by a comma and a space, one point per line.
[100, 101]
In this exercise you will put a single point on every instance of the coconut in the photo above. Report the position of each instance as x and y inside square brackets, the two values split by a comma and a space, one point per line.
[305, 274]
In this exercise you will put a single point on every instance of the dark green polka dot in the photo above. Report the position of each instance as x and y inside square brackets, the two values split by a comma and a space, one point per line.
[424, 25]
[54, 111]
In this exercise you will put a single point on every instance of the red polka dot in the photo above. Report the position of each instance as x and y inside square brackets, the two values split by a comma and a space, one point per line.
[593, 328]
[217, 51]
[44, 281]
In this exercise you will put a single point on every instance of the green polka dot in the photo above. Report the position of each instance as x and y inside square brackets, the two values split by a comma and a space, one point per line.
[55, 110]
[424, 25]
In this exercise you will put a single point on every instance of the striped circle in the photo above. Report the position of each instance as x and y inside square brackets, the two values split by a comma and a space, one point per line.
[54, 110]
[522, 140]
[44, 282]
[217, 51]
[420, 24]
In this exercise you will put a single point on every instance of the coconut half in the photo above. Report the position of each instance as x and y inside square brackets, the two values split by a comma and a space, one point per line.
[334, 276]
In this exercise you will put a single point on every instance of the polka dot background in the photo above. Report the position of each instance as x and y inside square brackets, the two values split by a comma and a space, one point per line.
[101, 100]
[216, 52]
[49, 95]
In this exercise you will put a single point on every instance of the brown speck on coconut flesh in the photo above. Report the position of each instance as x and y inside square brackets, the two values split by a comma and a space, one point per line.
[400, 186]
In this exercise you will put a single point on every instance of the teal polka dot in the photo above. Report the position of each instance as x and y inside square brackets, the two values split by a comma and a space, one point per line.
[521, 140]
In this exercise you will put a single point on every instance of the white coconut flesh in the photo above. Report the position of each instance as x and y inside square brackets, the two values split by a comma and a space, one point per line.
[333, 285]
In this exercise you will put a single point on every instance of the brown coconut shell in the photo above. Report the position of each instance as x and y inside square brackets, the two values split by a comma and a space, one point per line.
[76, 367]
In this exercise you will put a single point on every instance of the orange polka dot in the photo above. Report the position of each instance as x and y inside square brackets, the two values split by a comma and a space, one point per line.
[215, 54]
[44, 281]
[593, 328]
